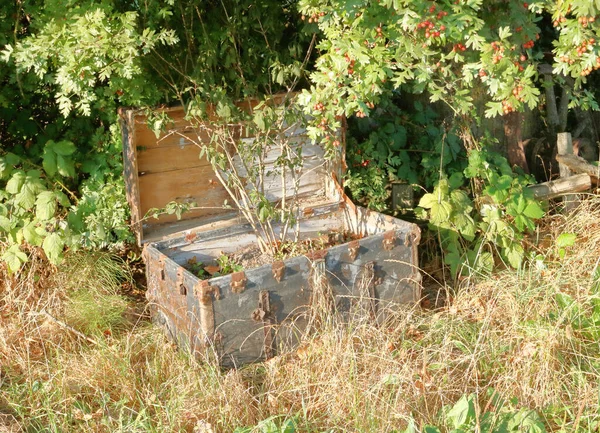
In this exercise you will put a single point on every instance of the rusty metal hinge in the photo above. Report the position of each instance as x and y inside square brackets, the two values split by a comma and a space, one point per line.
[238, 282]
[389, 240]
[317, 255]
[180, 284]
[278, 269]
[204, 292]
[265, 314]
[366, 281]
[161, 268]
[353, 247]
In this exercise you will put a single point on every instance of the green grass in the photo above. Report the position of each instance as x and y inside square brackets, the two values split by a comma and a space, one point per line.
[530, 339]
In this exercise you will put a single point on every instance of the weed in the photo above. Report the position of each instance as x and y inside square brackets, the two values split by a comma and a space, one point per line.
[530, 336]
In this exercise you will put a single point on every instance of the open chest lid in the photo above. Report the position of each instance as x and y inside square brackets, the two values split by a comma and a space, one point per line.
[169, 168]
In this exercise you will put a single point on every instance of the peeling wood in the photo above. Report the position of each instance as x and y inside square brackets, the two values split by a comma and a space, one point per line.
[579, 165]
[560, 187]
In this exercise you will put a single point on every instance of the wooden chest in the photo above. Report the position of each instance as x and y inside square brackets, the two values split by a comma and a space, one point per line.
[253, 314]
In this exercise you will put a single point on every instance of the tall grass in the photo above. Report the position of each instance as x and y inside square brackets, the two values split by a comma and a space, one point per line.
[532, 336]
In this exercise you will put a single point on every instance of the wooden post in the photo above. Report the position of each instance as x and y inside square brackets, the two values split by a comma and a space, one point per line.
[564, 146]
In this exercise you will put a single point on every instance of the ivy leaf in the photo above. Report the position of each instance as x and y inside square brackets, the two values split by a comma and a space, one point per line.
[45, 205]
[533, 210]
[53, 247]
[14, 258]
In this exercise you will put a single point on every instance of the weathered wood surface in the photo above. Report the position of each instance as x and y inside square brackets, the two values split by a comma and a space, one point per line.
[243, 332]
[560, 187]
[169, 168]
[564, 146]
[577, 164]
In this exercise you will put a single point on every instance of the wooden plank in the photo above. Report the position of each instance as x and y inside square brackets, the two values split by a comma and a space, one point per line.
[197, 184]
[564, 146]
[181, 135]
[559, 187]
[578, 165]
[163, 159]
[130, 172]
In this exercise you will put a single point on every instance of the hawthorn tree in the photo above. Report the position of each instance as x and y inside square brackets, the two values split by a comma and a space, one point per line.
[510, 53]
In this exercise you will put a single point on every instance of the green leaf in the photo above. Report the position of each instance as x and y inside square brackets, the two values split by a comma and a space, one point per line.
[428, 201]
[440, 212]
[65, 166]
[566, 240]
[16, 182]
[515, 255]
[49, 163]
[45, 205]
[12, 159]
[14, 258]
[32, 234]
[462, 413]
[62, 198]
[26, 198]
[53, 247]
[259, 120]
[5, 223]
[5, 168]
[64, 148]
[533, 210]
[456, 180]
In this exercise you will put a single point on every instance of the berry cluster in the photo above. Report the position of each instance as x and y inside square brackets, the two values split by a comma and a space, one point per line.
[528, 45]
[585, 46]
[351, 64]
[585, 21]
[314, 18]
[429, 25]
[319, 106]
[498, 52]
[507, 107]
[459, 47]
[557, 22]
[517, 93]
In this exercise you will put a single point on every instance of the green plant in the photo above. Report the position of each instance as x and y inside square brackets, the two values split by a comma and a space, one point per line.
[273, 424]
[466, 416]
[395, 144]
[227, 265]
[472, 234]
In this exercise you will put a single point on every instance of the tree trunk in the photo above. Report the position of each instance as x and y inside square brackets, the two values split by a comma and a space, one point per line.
[514, 140]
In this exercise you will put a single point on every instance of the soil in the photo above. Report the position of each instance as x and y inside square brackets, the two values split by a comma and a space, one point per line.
[250, 256]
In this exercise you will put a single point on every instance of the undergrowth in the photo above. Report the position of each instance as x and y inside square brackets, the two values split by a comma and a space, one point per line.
[516, 351]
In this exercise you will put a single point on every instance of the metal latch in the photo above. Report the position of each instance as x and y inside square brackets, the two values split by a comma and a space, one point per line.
[265, 314]
[389, 240]
[238, 282]
[278, 270]
[353, 247]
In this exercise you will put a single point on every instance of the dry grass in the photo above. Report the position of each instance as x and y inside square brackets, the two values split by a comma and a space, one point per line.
[532, 335]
